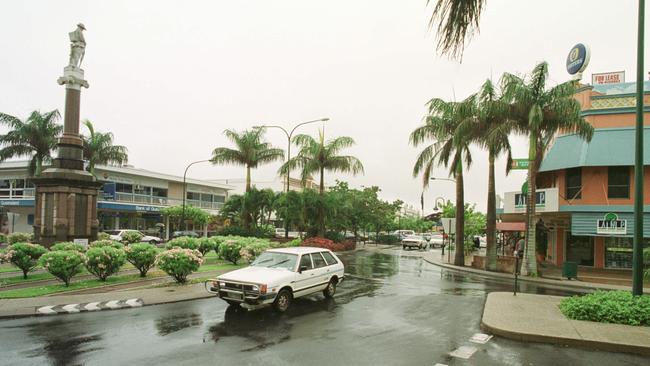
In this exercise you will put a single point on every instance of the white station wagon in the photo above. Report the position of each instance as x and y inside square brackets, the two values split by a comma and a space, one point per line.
[278, 276]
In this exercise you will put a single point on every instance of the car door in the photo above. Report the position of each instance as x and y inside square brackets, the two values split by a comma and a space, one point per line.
[321, 270]
[304, 279]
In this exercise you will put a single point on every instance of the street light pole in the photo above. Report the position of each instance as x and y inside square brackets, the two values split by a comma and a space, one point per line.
[289, 135]
[637, 255]
[185, 190]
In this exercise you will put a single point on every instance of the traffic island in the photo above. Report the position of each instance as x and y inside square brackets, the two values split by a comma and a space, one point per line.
[537, 318]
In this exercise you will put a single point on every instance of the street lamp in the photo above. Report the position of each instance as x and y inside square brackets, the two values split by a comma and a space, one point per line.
[449, 179]
[438, 204]
[289, 135]
[637, 247]
[185, 190]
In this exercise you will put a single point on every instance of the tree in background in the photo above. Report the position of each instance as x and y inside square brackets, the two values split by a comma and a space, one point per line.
[35, 137]
[489, 126]
[318, 156]
[98, 148]
[447, 150]
[194, 214]
[457, 21]
[541, 113]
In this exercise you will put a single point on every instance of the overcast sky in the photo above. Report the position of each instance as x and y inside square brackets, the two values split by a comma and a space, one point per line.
[167, 77]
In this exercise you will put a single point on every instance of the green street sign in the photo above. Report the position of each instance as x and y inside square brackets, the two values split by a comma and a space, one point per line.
[520, 164]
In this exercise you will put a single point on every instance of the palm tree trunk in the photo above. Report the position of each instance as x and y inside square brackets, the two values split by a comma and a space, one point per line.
[321, 209]
[39, 166]
[459, 258]
[248, 178]
[244, 212]
[529, 265]
[491, 224]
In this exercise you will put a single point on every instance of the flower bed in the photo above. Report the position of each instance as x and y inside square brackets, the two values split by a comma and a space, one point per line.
[618, 307]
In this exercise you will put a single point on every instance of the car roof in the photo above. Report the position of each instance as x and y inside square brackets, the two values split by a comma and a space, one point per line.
[299, 250]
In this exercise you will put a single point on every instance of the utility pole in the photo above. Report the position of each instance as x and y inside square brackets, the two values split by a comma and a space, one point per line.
[637, 257]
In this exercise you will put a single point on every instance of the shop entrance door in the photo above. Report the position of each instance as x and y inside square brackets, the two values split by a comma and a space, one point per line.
[580, 249]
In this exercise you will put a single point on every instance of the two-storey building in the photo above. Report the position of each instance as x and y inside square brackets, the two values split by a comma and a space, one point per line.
[586, 189]
[130, 198]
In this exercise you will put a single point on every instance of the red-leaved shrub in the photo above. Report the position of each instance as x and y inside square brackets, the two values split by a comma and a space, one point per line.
[328, 244]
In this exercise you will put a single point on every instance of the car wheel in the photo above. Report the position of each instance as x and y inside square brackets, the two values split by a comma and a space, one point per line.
[282, 301]
[330, 290]
[153, 242]
[403, 247]
[233, 303]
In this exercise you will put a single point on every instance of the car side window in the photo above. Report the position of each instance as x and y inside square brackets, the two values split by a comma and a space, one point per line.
[319, 262]
[329, 258]
[305, 261]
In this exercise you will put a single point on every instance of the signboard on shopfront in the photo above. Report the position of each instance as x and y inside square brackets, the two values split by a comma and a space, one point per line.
[610, 224]
[546, 201]
[608, 78]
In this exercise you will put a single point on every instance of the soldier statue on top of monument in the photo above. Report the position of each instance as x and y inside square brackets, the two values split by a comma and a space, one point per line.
[77, 46]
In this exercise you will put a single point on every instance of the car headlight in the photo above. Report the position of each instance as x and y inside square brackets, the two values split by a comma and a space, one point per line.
[255, 288]
[222, 284]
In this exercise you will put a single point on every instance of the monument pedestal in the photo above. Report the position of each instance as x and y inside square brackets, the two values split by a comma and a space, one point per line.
[66, 194]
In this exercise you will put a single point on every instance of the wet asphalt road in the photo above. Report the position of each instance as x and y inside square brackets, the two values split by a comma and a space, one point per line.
[391, 310]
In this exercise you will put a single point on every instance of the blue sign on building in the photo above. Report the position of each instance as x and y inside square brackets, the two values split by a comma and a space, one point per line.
[578, 59]
[108, 190]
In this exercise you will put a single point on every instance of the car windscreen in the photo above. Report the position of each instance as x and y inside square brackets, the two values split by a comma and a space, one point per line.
[276, 260]
[112, 232]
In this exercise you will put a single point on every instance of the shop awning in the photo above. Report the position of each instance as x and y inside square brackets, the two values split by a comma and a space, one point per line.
[608, 147]
[511, 226]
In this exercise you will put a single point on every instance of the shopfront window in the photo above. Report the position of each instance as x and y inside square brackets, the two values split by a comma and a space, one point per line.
[580, 249]
[574, 183]
[618, 182]
[123, 188]
[618, 251]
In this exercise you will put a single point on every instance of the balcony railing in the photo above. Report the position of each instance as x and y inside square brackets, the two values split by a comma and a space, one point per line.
[17, 193]
[164, 201]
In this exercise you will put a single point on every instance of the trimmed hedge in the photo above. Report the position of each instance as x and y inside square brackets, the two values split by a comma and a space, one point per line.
[106, 243]
[63, 264]
[14, 238]
[131, 237]
[24, 256]
[618, 307]
[68, 245]
[184, 242]
[104, 261]
[142, 256]
[179, 262]
[328, 244]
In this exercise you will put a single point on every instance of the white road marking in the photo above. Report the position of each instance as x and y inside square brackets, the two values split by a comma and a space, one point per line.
[113, 304]
[480, 338]
[46, 310]
[464, 352]
[133, 303]
[92, 306]
[71, 308]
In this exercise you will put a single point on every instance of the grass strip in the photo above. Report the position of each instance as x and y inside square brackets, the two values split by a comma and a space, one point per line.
[79, 285]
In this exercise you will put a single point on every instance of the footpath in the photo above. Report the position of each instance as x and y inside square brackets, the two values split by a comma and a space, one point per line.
[537, 318]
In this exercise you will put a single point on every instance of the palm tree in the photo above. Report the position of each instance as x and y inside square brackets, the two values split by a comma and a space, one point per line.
[99, 149]
[250, 151]
[457, 21]
[541, 113]
[489, 126]
[448, 150]
[317, 156]
[35, 137]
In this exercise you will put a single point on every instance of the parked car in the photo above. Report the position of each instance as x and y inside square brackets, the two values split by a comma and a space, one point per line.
[279, 232]
[117, 235]
[437, 240]
[414, 241]
[401, 234]
[191, 234]
[278, 276]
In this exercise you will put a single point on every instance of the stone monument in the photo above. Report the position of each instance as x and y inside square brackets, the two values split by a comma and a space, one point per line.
[66, 194]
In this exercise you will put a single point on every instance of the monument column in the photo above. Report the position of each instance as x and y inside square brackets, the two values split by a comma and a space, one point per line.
[66, 194]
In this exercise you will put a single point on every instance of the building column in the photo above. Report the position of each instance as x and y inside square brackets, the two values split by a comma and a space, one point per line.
[116, 222]
[599, 252]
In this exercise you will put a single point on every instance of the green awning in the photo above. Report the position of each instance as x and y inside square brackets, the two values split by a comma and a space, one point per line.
[608, 147]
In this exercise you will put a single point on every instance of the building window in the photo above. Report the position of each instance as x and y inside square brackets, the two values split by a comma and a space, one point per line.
[158, 192]
[618, 182]
[574, 183]
[193, 196]
[123, 188]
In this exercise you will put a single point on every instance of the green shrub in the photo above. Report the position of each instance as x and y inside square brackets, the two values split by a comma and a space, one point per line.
[130, 237]
[3, 256]
[68, 245]
[184, 242]
[24, 256]
[142, 256]
[335, 236]
[293, 243]
[229, 250]
[3, 238]
[63, 264]
[253, 250]
[618, 307]
[14, 238]
[104, 261]
[387, 239]
[106, 243]
[207, 244]
[179, 262]
[103, 236]
[266, 231]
